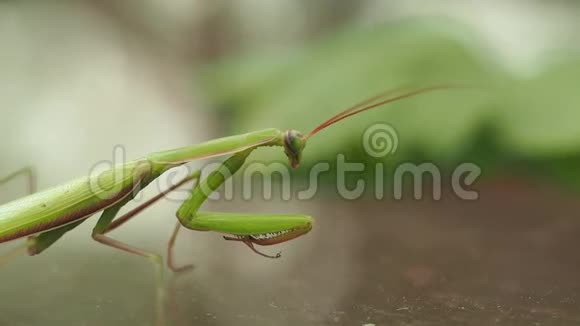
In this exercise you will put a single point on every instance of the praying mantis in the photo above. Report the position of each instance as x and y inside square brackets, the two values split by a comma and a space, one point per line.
[44, 217]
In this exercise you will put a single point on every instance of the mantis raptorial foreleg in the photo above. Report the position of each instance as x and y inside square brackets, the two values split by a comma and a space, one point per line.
[188, 212]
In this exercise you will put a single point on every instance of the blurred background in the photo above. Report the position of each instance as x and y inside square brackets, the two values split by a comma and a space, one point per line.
[78, 78]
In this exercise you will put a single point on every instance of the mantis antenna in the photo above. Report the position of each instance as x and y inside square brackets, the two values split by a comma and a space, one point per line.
[368, 104]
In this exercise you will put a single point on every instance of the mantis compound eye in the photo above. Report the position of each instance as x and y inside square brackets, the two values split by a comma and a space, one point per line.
[294, 143]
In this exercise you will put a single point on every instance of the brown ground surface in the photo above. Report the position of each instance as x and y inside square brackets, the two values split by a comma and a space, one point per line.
[510, 258]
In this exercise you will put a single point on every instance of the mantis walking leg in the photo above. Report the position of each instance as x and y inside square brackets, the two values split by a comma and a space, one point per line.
[170, 257]
[99, 236]
[34, 245]
[123, 219]
[107, 223]
[28, 172]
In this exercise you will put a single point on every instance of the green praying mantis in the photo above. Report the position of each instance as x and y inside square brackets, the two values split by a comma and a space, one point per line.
[44, 217]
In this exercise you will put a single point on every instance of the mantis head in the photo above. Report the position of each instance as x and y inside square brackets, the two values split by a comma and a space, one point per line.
[294, 142]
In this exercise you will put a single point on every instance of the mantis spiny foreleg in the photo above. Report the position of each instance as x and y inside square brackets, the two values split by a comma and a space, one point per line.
[188, 212]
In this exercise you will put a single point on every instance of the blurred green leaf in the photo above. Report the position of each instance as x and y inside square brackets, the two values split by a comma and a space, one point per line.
[540, 116]
[506, 119]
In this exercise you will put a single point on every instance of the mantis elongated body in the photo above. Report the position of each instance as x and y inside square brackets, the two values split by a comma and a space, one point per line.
[44, 217]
